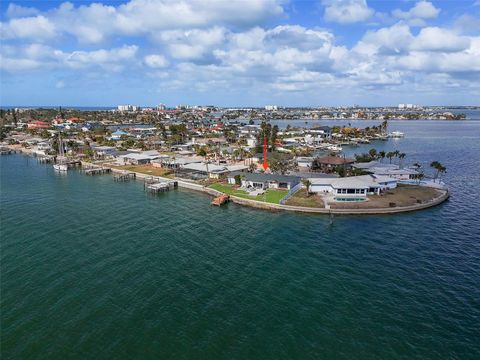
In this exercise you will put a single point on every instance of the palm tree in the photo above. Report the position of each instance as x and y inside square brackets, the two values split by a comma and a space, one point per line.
[439, 169]
[381, 155]
[373, 153]
[390, 156]
[420, 174]
[307, 184]
[384, 126]
[401, 156]
[442, 169]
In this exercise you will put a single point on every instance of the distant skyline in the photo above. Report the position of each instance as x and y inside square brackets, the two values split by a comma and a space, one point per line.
[240, 53]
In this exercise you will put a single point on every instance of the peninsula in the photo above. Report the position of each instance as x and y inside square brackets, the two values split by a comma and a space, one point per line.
[254, 162]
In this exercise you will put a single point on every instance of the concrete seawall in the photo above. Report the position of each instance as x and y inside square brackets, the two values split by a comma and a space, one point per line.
[444, 195]
[393, 210]
[279, 207]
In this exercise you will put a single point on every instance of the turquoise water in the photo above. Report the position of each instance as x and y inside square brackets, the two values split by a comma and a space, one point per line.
[91, 268]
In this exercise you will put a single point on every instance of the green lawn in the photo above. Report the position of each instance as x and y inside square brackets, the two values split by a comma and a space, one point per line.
[271, 196]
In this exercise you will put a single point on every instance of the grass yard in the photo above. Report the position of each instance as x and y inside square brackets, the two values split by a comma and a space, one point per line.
[229, 190]
[271, 195]
[301, 198]
[403, 195]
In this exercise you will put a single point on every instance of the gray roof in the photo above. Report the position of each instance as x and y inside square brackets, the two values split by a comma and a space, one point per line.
[261, 177]
[353, 182]
[374, 164]
[312, 175]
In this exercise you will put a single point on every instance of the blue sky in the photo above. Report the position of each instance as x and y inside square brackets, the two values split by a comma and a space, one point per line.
[240, 52]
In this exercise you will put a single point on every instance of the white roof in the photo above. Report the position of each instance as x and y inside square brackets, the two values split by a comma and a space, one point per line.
[151, 153]
[352, 182]
[135, 156]
[238, 167]
[186, 160]
[383, 179]
[203, 167]
[395, 171]
[374, 164]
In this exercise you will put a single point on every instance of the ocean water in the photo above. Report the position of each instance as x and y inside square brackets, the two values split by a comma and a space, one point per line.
[91, 268]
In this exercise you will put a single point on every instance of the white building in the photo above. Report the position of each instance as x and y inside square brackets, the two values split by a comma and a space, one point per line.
[271, 107]
[354, 187]
[251, 142]
[127, 107]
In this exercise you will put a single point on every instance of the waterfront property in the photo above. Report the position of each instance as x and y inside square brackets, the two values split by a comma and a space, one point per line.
[353, 187]
[328, 164]
[305, 162]
[391, 170]
[138, 158]
[264, 181]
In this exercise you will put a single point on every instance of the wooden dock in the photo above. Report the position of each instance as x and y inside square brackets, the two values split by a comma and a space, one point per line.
[45, 159]
[7, 151]
[156, 186]
[97, 171]
[220, 200]
[124, 176]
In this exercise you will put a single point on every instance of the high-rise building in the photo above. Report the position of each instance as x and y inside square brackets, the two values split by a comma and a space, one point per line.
[127, 107]
[271, 107]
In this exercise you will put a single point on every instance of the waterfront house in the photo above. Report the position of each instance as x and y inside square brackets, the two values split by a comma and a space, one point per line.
[353, 187]
[328, 164]
[399, 174]
[214, 171]
[391, 170]
[264, 181]
[144, 157]
[105, 151]
[305, 162]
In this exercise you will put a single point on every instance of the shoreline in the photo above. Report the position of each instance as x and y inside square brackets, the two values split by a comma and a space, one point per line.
[444, 195]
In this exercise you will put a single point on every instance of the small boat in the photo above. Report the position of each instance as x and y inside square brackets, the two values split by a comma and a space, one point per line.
[334, 148]
[60, 167]
[61, 152]
[396, 134]
[220, 200]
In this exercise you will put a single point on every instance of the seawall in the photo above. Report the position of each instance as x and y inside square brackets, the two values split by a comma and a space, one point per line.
[444, 195]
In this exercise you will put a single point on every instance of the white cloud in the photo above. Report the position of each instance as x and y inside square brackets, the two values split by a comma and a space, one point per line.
[15, 10]
[96, 22]
[347, 11]
[156, 61]
[192, 44]
[394, 39]
[438, 39]
[112, 59]
[35, 27]
[200, 51]
[467, 23]
[416, 15]
[38, 56]
[467, 61]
